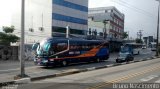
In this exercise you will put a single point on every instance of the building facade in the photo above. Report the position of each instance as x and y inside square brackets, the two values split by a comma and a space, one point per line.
[108, 24]
[106, 21]
[148, 40]
[49, 18]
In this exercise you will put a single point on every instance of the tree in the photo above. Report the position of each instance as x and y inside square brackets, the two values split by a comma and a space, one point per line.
[8, 29]
[6, 36]
[124, 35]
[139, 40]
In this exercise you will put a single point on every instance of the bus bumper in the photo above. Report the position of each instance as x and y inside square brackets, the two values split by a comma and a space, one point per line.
[41, 62]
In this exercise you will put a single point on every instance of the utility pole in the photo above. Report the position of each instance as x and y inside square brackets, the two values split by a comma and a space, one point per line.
[140, 34]
[157, 53]
[22, 71]
[128, 35]
[105, 29]
[137, 35]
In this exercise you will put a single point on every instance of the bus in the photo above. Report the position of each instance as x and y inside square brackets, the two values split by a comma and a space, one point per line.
[63, 51]
[153, 46]
[131, 48]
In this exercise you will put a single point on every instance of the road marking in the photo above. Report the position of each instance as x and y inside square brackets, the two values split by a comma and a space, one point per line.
[124, 63]
[148, 78]
[123, 78]
[17, 69]
[158, 81]
[148, 58]
[92, 68]
[110, 65]
[36, 72]
[9, 70]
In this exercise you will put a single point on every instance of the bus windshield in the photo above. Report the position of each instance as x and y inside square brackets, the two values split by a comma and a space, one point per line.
[43, 48]
[124, 49]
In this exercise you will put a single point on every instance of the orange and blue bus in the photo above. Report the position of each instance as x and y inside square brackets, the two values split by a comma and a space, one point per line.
[63, 51]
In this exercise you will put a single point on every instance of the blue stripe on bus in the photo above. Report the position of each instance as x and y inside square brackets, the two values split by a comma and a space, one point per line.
[103, 52]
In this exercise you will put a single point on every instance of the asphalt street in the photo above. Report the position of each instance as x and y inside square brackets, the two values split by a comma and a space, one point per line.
[10, 69]
[14, 65]
[145, 74]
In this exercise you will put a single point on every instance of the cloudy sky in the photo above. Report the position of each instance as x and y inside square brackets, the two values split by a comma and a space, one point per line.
[139, 14]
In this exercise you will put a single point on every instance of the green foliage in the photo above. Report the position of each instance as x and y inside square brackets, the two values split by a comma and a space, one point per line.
[125, 35]
[139, 40]
[8, 29]
[6, 37]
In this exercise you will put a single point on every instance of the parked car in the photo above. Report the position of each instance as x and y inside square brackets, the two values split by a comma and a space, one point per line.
[144, 47]
[124, 57]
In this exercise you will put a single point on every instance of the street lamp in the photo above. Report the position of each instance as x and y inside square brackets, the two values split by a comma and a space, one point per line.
[157, 54]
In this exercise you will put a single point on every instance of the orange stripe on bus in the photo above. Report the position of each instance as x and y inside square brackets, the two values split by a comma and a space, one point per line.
[90, 53]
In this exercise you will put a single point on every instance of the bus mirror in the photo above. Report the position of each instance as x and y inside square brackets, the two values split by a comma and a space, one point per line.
[35, 45]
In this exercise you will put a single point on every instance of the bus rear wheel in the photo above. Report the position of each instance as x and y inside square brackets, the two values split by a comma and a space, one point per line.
[64, 63]
[97, 60]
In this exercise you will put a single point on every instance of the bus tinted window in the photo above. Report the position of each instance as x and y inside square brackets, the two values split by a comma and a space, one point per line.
[58, 47]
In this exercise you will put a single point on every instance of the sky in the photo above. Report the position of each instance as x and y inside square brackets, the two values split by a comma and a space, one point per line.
[139, 14]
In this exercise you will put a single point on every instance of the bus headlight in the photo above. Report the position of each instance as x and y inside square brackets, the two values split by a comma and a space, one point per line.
[45, 61]
[51, 60]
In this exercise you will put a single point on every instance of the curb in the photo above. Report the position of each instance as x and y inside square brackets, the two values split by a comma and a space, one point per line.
[78, 71]
[6, 83]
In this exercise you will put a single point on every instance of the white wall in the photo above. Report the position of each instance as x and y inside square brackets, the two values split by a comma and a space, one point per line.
[33, 19]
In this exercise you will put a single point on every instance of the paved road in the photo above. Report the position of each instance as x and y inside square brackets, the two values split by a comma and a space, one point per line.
[10, 69]
[13, 65]
[141, 72]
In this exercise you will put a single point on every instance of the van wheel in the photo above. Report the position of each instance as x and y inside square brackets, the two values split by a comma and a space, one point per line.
[64, 63]
[132, 53]
[97, 60]
[132, 59]
[118, 61]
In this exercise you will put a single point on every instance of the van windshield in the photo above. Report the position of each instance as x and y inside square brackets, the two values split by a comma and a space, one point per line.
[124, 49]
[123, 55]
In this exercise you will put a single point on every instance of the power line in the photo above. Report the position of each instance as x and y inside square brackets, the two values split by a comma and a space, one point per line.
[136, 7]
[128, 6]
[138, 11]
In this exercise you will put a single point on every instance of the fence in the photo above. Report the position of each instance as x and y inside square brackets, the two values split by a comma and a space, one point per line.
[12, 53]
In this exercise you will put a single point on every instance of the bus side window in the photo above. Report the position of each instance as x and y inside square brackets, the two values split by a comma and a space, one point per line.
[59, 47]
[106, 45]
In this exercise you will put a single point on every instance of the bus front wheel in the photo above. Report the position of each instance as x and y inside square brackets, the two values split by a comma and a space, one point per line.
[64, 63]
[97, 60]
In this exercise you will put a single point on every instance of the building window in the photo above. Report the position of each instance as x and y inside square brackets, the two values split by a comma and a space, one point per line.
[70, 5]
[111, 27]
[69, 19]
[72, 31]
